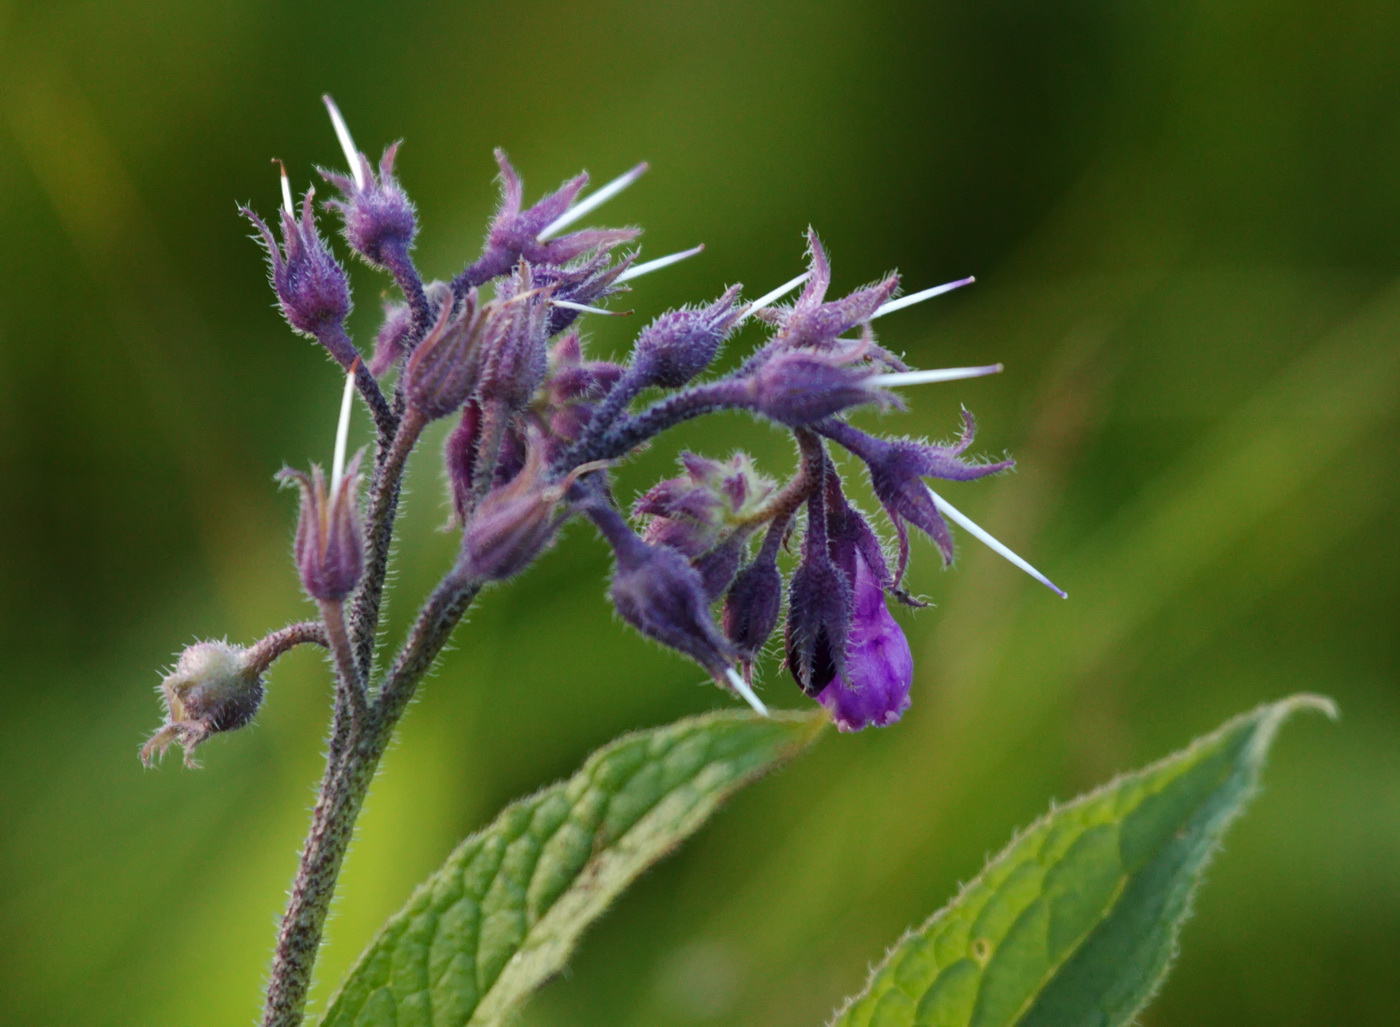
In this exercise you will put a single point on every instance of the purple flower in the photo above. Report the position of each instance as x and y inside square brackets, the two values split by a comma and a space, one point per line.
[585, 282]
[819, 608]
[811, 321]
[755, 600]
[329, 544]
[379, 223]
[691, 513]
[897, 469]
[873, 688]
[516, 233]
[391, 340]
[310, 284]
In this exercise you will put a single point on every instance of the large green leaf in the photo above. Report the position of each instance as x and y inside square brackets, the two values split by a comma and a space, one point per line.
[505, 910]
[1075, 923]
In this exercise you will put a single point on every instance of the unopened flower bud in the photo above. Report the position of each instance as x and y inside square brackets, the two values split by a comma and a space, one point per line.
[801, 387]
[813, 322]
[691, 513]
[680, 344]
[391, 339]
[329, 544]
[515, 521]
[753, 604]
[656, 590]
[441, 373]
[214, 687]
[459, 454]
[312, 287]
[513, 354]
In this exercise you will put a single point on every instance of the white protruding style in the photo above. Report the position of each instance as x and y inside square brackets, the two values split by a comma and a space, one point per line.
[776, 294]
[571, 305]
[947, 374]
[593, 201]
[286, 191]
[342, 132]
[637, 270]
[919, 297]
[957, 516]
[342, 431]
[742, 687]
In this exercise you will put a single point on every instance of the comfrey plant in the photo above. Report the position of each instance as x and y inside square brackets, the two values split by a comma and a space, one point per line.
[699, 566]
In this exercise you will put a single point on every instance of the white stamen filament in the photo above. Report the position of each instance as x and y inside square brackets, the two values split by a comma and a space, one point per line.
[919, 297]
[776, 294]
[286, 191]
[957, 516]
[742, 687]
[342, 132]
[637, 270]
[342, 431]
[593, 201]
[571, 305]
[947, 374]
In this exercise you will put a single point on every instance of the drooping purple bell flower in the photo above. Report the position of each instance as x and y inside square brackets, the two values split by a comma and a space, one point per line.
[873, 688]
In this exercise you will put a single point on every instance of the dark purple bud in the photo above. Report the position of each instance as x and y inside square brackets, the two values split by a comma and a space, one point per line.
[810, 322]
[459, 454]
[718, 564]
[214, 687]
[873, 689]
[379, 222]
[392, 338]
[515, 521]
[311, 286]
[573, 386]
[755, 600]
[514, 356]
[897, 469]
[329, 544]
[819, 609]
[442, 371]
[680, 344]
[851, 539]
[801, 387]
[657, 591]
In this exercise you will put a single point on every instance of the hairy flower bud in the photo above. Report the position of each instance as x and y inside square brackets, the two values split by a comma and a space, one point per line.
[814, 323]
[311, 286]
[819, 608]
[657, 591]
[515, 521]
[755, 600]
[442, 371]
[214, 687]
[392, 338]
[680, 344]
[329, 543]
[514, 357]
[378, 218]
[691, 513]
[802, 387]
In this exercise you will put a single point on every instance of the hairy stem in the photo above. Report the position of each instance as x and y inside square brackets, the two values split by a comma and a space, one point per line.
[262, 653]
[379, 537]
[351, 684]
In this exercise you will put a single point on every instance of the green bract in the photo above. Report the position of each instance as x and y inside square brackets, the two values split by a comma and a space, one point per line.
[1075, 923]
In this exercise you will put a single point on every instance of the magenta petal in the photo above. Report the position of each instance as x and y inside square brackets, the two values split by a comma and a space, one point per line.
[874, 690]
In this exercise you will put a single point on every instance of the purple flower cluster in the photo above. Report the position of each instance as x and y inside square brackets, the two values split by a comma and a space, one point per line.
[539, 426]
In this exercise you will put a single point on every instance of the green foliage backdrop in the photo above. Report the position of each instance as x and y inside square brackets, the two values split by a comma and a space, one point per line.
[1185, 223]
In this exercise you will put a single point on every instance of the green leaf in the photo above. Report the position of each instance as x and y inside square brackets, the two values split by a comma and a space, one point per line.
[506, 909]
[1075, 923]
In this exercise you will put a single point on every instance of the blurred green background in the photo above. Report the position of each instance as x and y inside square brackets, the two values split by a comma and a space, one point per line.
[1185, 223]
